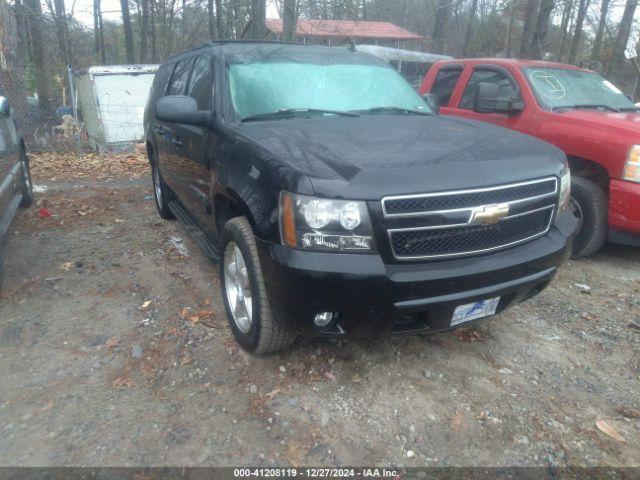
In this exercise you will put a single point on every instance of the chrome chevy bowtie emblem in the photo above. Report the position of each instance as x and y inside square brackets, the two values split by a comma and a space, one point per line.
[489, 214]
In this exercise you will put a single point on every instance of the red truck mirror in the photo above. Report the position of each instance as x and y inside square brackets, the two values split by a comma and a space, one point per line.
[487, 100]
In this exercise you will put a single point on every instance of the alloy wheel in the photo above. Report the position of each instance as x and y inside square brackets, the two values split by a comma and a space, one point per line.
[157, 186]
[238, 287]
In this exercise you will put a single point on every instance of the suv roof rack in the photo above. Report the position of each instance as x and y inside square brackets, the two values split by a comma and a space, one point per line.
[276, 42]
[211, 43]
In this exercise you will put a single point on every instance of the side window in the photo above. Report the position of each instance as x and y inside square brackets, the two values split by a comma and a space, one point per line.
[506, 88]
[444, 84]
[159, 85]
[200, 87]
[179, 78]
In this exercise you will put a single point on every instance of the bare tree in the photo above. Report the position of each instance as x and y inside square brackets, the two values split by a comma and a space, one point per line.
[219, 28]
[43, 82]
[577, 32]
[212, 20]
[508, 47]
[144, 30]
[98, 31]
[624, 30]
[470, 25]
[289, 19]
[58, 12]
[567, 15]
[529, 24]
[128, 31]
[256, 29]
[439, 26]
[22, 31]
[542, 27]
[602, 22]
[154, 33]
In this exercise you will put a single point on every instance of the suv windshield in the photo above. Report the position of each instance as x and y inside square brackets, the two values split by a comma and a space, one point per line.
[261, 88]
[558, 88]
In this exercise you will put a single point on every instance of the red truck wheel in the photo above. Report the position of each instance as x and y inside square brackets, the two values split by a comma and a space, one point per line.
[589, 204]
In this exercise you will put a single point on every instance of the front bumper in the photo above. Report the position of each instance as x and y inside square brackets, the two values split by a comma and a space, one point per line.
[624, 212]
[374, 298]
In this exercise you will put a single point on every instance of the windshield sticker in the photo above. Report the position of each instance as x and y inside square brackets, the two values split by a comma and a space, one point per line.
[547, 84]
[611, 87]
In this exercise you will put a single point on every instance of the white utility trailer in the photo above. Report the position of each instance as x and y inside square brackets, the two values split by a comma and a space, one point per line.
[111, 102]
[412, 65]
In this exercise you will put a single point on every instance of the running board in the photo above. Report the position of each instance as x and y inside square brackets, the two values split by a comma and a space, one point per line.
[10, 212]
[210, 248]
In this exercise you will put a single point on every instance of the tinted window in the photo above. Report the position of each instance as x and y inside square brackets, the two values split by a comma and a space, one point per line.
[200, 83]
[264, 87]
[160, 81]
[560, 87]
[506, 89]
[444, 84]
[179, 78]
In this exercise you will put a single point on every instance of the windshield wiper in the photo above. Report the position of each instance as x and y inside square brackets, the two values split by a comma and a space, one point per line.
[406, 111]
[288, 112]
[630, 109]
[586, 106]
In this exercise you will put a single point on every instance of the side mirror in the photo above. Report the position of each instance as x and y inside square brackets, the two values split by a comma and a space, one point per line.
[181, 109]
[5, 108]
[433, 101]
[487, 100]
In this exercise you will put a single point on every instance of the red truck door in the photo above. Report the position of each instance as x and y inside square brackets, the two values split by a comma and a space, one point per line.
[462, 99]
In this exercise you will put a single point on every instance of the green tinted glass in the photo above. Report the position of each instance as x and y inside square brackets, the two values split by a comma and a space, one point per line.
[268, 87]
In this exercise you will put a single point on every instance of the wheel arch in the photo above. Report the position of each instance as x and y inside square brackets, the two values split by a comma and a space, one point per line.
[583, 167]
[228, 205]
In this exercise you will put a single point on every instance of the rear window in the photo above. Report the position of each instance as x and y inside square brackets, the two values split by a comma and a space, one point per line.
[445, 82]
[179, 78]
[200, 84]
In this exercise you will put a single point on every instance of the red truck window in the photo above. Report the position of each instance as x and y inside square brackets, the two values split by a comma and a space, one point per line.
[506, 88]
[444, 84]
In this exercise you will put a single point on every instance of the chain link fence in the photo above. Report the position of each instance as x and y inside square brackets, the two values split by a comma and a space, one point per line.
[46, 124]
[96, 108]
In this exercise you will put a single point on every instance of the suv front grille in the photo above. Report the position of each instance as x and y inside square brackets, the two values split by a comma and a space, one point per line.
[468, 240]
[530, 208]
[416, 204]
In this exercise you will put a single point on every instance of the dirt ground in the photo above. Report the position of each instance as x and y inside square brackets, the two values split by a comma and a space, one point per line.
[115, 350]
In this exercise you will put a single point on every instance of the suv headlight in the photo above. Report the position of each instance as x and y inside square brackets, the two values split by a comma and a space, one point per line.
[632, 167]
[565, 190]
[312, 223]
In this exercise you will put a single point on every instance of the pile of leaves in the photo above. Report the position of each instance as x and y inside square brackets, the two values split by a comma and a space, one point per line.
[56, 166]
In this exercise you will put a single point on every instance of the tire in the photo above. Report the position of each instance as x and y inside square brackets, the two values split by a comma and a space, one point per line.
[161, 193]
[589, 204]
[263, 333]
[26, 185]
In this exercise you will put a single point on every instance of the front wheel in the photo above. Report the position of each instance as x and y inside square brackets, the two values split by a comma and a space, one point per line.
[589, 206]
[245, 296]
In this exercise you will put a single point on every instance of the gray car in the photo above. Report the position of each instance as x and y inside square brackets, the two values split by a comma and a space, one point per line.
[16, 189]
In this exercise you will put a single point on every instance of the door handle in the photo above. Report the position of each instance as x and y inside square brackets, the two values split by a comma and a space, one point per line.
[177, 142]
[158, 129]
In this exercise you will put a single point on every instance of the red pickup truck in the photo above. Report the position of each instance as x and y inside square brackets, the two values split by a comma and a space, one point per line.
[575, 109]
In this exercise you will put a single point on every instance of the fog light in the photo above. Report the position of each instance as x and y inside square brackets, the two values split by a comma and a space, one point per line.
[323, 319]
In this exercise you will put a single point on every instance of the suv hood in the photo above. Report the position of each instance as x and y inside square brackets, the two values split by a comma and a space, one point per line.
[371, 156]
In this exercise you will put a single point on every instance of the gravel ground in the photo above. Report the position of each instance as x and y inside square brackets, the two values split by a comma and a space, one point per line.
[114, 350]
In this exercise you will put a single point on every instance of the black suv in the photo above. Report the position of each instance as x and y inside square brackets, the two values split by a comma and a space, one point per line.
[15, 179]
[339, 203]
